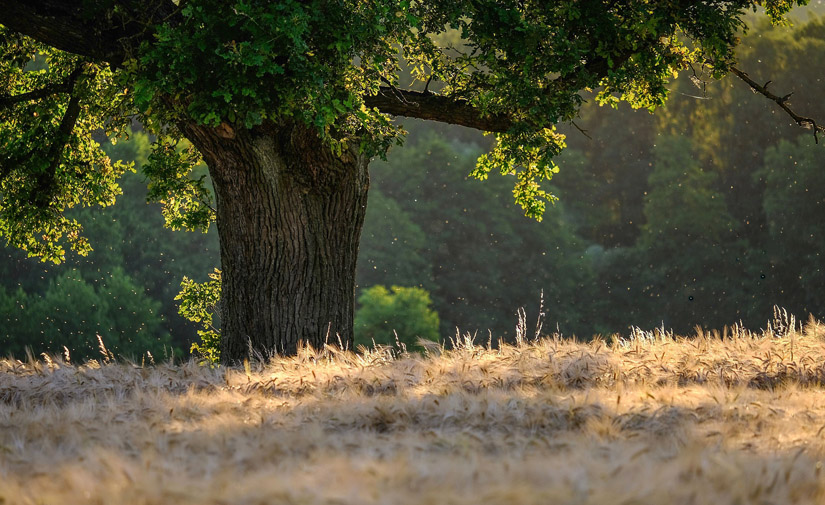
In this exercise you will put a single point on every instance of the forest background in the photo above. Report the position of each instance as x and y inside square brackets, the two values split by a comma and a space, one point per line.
[707, 213]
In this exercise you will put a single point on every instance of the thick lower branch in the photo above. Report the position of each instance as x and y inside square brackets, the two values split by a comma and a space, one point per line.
[399, 102]
[425, 105]
[97, 29]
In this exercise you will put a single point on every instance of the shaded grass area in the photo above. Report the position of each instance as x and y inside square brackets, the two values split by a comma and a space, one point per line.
[736, 418]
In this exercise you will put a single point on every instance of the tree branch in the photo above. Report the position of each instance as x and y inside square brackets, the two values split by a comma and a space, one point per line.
[46, 180]
[65, 86]
[426, 105]
[400, 102]
[91, 28]
[782, 101]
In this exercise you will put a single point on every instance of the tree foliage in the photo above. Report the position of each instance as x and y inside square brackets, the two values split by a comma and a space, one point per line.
[392, 250]
[50, 163]
[695, 260]
[794, 207]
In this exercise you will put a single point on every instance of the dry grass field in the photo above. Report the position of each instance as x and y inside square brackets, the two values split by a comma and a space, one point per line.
[737, 418]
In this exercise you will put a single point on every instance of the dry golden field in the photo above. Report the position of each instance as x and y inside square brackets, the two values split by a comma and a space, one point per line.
[715, 419]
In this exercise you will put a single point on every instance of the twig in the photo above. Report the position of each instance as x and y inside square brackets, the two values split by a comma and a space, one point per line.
[583, 132]
[695, 96]
[427, 85]
[782, 101]
[699, 83]
[400, 96]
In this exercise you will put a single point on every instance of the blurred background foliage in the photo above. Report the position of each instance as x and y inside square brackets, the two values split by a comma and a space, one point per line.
[707, 213]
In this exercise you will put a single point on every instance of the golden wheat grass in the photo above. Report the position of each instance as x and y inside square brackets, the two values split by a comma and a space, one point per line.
[652, 419]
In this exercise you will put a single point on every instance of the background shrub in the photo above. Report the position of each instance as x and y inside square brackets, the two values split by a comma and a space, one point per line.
[406, 311]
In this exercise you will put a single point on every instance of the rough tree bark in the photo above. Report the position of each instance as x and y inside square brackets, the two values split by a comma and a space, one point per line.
[289, 216]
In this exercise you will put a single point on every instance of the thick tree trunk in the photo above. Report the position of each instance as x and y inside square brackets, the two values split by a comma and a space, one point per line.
[289, 215]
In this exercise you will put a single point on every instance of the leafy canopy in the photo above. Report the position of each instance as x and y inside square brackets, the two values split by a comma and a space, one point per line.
[47, 167]
[518, 68]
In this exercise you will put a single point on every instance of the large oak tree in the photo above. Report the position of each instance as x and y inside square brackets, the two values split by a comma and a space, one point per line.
[287, 101]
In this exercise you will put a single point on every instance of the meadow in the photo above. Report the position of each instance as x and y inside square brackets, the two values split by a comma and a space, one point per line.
[724, 418]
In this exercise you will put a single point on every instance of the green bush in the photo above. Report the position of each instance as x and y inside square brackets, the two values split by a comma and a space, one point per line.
[403, 311]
